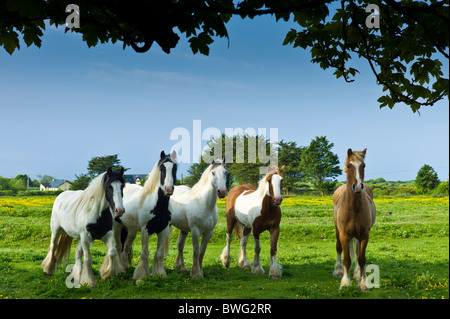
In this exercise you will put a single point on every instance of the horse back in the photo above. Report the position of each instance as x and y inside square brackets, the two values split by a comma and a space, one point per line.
[234, 193]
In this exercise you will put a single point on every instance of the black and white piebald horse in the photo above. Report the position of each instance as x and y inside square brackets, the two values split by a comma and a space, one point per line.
[147, 212]
[87, 215]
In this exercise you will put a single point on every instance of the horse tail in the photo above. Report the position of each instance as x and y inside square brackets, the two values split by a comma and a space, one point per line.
[238, 229]
[167, 243]
[63, 249]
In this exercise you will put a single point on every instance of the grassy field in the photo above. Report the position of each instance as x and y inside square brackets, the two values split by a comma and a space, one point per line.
[410, 247]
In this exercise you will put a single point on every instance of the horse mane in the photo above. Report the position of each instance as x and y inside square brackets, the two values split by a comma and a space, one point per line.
[151, 183]
[92, 196]
[204, 179]
[356, 156]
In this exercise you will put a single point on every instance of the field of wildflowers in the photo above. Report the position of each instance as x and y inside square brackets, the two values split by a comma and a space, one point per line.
[409, 243]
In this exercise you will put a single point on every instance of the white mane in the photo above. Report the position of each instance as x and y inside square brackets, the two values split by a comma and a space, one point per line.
[151, 183]
[204, 180]
[92, 196]
[261, 186]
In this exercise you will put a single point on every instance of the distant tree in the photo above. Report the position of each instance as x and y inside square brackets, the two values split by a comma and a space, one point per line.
[45, 178]
[18, 183]
[81, 182]
[426, 179]
[289, 154]
[243, 169]
[4, 183]
[320, 165]
[100, 164]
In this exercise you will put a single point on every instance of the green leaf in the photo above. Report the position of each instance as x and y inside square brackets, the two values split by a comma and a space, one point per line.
[10, 41]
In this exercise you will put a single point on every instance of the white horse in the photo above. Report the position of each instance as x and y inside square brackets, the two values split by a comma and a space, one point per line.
[194, 210]
[147, 212]
[87, 215]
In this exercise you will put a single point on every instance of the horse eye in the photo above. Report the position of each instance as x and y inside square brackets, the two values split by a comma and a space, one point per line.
[214, 173]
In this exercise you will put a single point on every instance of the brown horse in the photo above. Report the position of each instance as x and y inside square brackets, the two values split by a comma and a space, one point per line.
[257, 210]
[354, 215]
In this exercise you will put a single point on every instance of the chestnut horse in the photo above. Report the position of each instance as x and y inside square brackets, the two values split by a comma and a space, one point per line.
[354, 215]
[257, 210]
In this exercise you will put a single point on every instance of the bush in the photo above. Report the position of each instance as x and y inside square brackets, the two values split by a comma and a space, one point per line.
[442, 188]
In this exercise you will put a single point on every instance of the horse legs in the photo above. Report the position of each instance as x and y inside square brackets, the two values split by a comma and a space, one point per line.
[205, 240]
[49, 262]
[362, 264]
[179, 263]
[338, 270]
[196, 269]
[345, 242]
[143, 268]
[355, 249]
[243, 261]
[111, 265]
[76, 270]
[256, 266]
[158, 260]
[126, 255]
[226, 255]
[275, 269]
[87, 275]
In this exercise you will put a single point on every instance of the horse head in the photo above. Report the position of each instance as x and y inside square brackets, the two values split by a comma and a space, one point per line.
[274, 184]
[113, 184]
[354, 167]
[168, 172]
[219, 176]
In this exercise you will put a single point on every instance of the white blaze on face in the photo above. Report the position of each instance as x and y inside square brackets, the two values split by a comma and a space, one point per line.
[168, 181]
[276, 184]
[117, 195]
[358, 185]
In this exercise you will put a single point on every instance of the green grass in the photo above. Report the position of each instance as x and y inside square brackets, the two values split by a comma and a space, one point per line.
[410, 247]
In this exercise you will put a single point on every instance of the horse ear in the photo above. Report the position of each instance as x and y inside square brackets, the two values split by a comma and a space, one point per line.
[162, 154]
[122, 170]
[223, 161]
[364, 152]
[109, 171]
[281, 169]
[349, 152]
[212, 160]
[173, 156]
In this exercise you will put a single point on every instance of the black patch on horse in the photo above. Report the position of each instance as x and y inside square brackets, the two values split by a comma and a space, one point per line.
[104, 222]
[162, 215]
[103, 225]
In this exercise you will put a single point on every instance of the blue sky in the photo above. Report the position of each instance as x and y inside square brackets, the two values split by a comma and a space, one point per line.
[64, 103]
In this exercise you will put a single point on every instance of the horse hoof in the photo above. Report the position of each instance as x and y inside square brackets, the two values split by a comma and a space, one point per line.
[275, 277]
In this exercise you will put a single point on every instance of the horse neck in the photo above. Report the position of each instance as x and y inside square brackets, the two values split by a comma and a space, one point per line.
[144, 194]
[209, 195]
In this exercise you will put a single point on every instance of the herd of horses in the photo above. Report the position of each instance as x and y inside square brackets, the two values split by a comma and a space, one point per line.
[114, 212]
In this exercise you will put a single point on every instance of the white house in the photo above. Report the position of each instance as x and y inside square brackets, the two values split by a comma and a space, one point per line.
[55, 185]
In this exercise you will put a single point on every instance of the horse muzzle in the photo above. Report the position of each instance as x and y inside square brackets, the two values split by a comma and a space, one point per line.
[168, 190]
[118, 212]
[221, 192]
[357, 188]
[277, 200]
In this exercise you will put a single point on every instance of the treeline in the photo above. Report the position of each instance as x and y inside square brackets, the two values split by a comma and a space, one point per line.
[307, 168]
